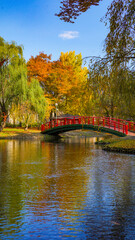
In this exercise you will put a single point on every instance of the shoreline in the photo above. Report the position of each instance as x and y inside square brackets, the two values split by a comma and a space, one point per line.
[111, 144]
[31, 134]
[20, 134]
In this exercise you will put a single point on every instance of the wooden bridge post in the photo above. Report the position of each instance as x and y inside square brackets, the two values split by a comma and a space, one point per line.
[42, 127]
[123, 128]
[126, 129]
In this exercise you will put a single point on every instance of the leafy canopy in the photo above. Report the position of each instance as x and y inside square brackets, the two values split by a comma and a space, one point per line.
[58, 77]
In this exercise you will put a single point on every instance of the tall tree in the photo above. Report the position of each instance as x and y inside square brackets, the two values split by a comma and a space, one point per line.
[71, 9]
[58, 78]
[120, 41]
[39, 68]
[33, 108]
[13, 77]
[67, 76]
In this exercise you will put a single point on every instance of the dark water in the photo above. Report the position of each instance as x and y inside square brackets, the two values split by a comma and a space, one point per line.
[65, 190]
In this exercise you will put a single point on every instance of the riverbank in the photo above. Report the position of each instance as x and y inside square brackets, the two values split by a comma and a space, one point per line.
[122, 145]
[33, 134]
[20, 133]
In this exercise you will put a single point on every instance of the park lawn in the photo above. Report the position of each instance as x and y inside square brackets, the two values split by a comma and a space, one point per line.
[11, 132]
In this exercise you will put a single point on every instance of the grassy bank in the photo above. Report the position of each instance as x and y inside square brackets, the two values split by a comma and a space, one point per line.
[123, 145]
[19, 133]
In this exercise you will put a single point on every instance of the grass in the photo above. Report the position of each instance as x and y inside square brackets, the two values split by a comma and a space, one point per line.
[124, 145]
[12, 132]
[110, 140]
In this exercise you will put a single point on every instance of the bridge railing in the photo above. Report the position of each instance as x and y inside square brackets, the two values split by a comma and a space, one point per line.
[130, 124]
[113, 123]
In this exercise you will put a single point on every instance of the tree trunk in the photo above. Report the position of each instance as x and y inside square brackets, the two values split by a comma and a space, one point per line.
[3, 119]
[2, 125]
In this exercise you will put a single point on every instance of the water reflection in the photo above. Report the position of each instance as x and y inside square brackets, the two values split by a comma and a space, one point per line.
[69, 189]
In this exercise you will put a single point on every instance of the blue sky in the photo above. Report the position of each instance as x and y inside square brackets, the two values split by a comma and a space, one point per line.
[33, 24]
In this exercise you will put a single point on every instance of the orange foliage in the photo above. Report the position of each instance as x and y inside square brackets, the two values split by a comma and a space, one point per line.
[59, 79]
[3, 117]
[39, 67]
[53, 76]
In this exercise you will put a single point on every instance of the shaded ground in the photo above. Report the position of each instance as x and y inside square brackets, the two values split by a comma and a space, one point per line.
[84, 133]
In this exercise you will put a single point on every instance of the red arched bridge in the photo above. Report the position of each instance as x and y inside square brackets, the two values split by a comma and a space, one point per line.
[115, 126]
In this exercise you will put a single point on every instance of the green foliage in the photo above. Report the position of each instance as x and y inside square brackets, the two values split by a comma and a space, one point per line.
[13, 76]
[36, 99]
[113, 89]
[32, 109]
[120, 42]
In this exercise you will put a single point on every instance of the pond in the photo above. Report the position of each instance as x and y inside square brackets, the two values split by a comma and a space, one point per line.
[69, 189]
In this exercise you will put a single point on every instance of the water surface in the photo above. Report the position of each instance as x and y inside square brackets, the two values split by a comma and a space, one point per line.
[65, 190]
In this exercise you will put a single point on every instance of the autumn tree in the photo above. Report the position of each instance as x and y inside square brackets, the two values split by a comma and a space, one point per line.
[13, 77]
[71, 9]
[112, 76]
[59, 79]
[68, 75]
